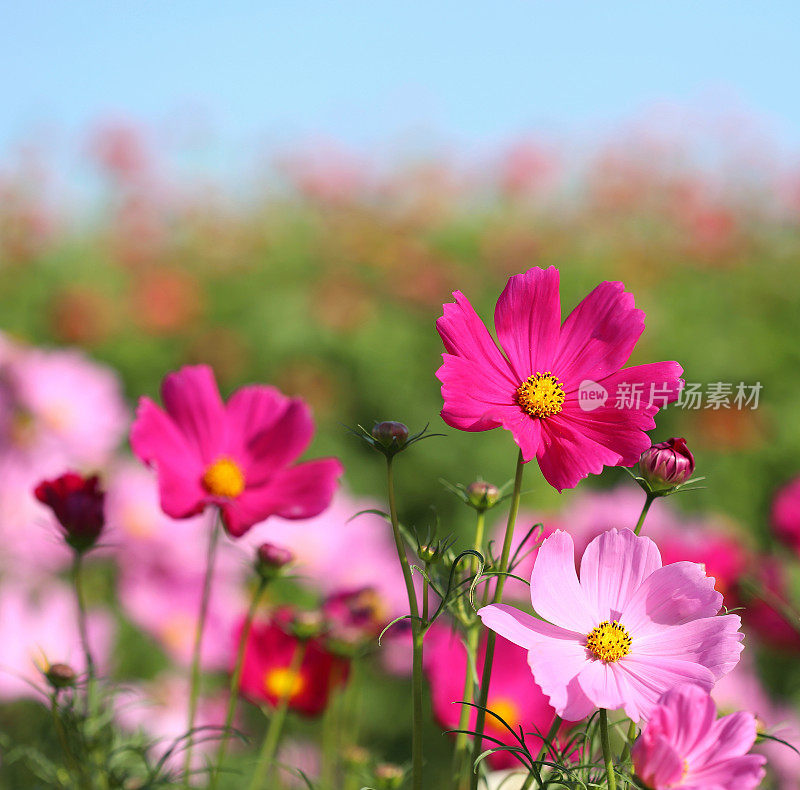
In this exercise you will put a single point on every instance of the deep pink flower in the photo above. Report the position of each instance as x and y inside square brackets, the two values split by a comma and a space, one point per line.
[786, 514]
[559, 389]
[624, 633]
[236, 455]
[77, 503]
[511, 695]
[685, 747]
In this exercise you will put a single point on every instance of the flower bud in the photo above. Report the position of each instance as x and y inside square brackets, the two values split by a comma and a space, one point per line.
[60, 676]
[308, 625]
[482, 495]
[271, 560]
[391, 434]
[78, 504]
[667, 464]
[388, 776]
[356, 757]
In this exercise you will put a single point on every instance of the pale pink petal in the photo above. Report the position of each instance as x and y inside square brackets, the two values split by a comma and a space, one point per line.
[157, 442]
[672, 595]
[604, 684]
[556, 594]
[598, 336]
[685, 714]
[613, 567]
[527, 319]
[648, 678]
[714, 642]
[736, 773]
[295, 492]
[192, 400]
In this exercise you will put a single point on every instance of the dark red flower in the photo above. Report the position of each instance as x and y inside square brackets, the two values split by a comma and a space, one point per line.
[78, 504]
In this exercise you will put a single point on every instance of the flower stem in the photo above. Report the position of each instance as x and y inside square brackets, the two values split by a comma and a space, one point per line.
[611, 777]
[416, 632]
[273, 735]
[640, 523]
[233, 694]
[77, 575]
[626, 749]
[491, 638]
[461, 751]
[198, 641]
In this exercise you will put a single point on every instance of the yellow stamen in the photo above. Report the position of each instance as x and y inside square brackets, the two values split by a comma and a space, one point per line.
[507, 710]
[283, 683]
[224, 478]
[610, 641]
[540, 395]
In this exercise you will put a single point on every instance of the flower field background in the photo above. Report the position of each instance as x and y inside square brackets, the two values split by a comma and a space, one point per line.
[324, 277]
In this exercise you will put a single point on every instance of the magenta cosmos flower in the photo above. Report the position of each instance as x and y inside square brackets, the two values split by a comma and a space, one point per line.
[558, 388]
[236, 456]
[685, 747]
[625, 632]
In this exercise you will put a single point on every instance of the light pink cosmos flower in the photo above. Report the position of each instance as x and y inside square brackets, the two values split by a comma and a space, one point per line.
[237, 455]
[559, 389]
[622, 634]
[685, 747]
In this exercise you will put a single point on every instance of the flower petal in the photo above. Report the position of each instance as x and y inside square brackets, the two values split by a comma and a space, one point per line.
[674, 594]
[613, 567]
[192, 400]
[556, 594]
[157, 441]
[295, 492]
[469, 407]
[527, 319]
[728, 737]
[598, 336]
[736, 773]
[604, 684]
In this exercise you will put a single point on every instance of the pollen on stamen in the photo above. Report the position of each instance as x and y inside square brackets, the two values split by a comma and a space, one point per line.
[540, 395]
[609, 641]
[224, 478]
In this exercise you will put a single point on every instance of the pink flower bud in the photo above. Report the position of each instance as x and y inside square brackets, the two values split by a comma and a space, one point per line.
[667, 464]
[390, 434]
[77, 503]
[272, 559]
[482, 495]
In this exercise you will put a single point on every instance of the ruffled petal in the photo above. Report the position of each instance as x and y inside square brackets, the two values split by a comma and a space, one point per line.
[295, 492]
[192, 400]
[714, 642]
[157, 441]
[675, 594]
[267, 430]
[527, 319]
[613, 567]
[599, 334]
[730, 736]
[556, 594]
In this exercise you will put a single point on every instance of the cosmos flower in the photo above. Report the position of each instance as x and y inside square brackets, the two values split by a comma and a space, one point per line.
[236, 456]
[685, 747]
[77, 503]
[512, 696]
[625, 632]
[786, 514]
[559, 389]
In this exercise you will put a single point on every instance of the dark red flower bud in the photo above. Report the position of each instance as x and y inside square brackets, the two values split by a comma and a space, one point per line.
[667, 464]
[60, 676]
[272, 559]
[391, 434]
[77, 503]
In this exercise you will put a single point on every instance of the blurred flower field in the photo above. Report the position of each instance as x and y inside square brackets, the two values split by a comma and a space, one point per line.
[325, 278]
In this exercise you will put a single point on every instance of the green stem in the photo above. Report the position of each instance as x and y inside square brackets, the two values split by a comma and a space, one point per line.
[640, 523]
[272, 737]
[461, 751]
[492, 636]
[233, 693]
[77, 575]
[611, 777]
[332, 726]
[626, 749]
[194, 692]
[417, 634]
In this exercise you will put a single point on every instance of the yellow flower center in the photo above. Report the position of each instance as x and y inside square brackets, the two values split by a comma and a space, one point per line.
[224, 478]
[540, 395]
[283, 683]
[506, 710]
[610, 641]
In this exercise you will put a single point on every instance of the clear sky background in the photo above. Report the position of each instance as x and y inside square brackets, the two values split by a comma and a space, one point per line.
[470, 73]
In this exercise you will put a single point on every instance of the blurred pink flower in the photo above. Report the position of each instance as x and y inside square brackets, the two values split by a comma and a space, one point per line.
[624, 633]
[533, 383]
[512, 695]
[43, 627]
[684, 746]
[158, 709]
[237, 456]
[786, 514]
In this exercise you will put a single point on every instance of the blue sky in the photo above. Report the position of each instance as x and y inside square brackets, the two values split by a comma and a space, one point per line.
[362, 72]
